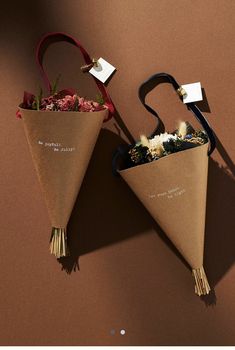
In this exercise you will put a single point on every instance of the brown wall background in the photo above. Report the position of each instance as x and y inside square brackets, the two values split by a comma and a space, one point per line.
[127, 275]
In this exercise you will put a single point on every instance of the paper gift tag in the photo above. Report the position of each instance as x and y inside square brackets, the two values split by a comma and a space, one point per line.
[103, 70]
[194, 92]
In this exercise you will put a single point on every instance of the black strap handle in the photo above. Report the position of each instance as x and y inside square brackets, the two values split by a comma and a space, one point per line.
[159, 78]
[144, 89]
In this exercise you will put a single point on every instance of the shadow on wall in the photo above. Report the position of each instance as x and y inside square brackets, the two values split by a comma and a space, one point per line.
[21, 20]
[220, 223]
[106, 210]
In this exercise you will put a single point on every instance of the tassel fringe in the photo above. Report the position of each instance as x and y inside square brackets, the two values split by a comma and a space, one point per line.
[58, 242]
[202, 286]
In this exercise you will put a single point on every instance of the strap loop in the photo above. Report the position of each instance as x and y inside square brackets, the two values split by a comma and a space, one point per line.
[159, 78]
[49, 38]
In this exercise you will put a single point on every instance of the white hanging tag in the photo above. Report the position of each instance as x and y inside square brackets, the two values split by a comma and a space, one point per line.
[103, 70]
[193, 92]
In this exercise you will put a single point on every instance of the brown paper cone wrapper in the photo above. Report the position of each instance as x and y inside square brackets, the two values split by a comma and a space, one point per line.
[61, 144]
[173, 189]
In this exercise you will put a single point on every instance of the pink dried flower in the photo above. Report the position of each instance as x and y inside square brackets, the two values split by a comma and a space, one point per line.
[64, 100]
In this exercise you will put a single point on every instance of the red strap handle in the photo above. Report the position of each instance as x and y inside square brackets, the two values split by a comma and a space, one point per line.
[48, 39]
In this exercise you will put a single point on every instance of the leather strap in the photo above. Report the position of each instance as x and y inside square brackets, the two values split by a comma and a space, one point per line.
[50, 38]
[159, 78]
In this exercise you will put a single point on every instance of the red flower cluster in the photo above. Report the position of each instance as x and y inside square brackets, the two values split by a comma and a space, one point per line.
[64, 100]
[69, 103]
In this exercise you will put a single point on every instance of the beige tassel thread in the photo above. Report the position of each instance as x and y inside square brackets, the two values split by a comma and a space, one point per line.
[58, 242]
[182, 130]
[144, 141]
[202, 286]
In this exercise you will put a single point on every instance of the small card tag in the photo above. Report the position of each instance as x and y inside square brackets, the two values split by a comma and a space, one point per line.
[103, 71]
[194, 92]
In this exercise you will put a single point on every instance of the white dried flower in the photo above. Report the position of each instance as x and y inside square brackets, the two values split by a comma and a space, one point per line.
[50, 107]
[159, 139]
[155, 144]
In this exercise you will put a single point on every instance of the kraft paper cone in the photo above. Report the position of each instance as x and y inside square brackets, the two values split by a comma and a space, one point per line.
[61, 144]
[173, 189]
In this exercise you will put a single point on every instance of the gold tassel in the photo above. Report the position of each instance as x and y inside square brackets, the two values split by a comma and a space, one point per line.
[58, 242]
[202, 286]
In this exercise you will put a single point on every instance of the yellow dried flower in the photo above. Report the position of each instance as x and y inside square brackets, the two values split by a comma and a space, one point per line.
[157, 150]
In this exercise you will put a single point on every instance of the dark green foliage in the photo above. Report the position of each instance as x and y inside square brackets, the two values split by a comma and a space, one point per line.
[54, 88]
[172, 146]
[100, 99]
[76, 104]
[37, 100]
[138, 154]
[202, 135]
